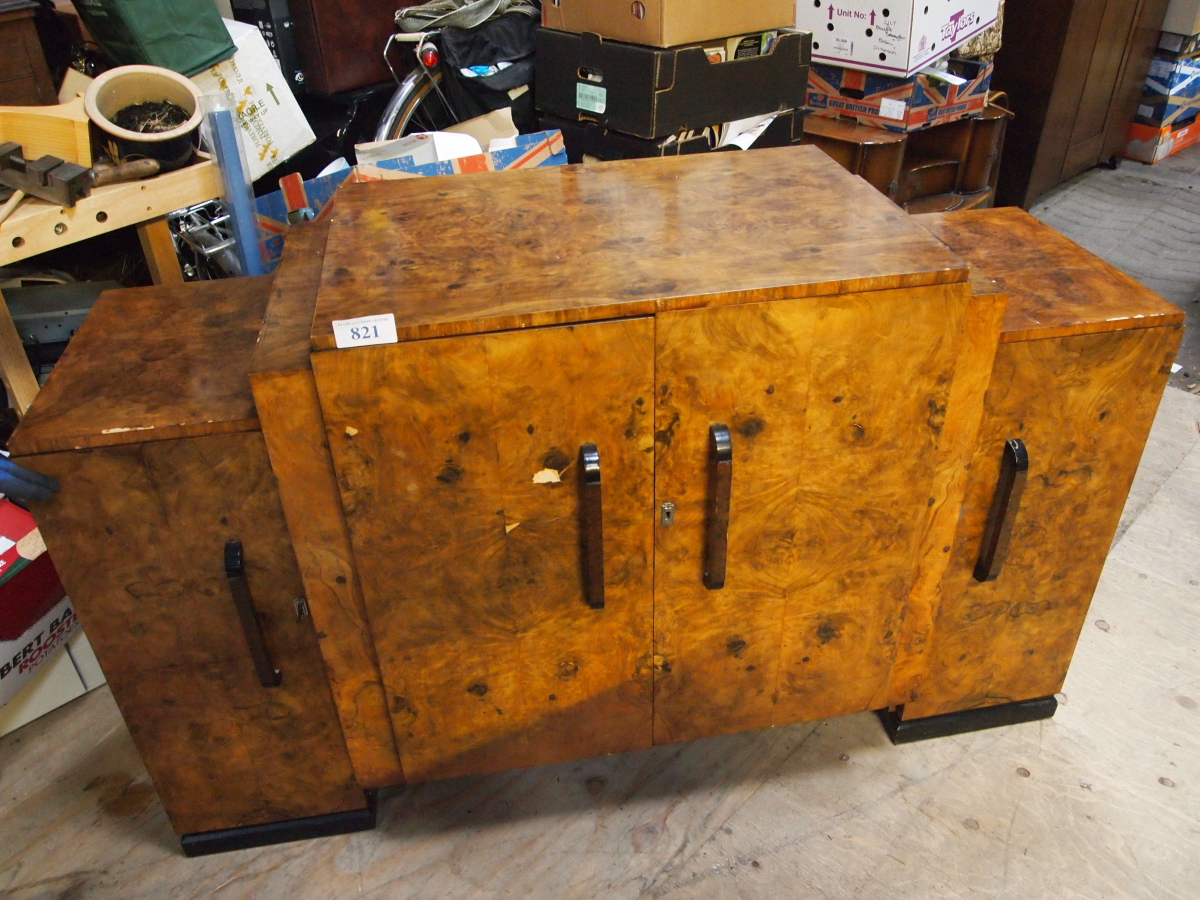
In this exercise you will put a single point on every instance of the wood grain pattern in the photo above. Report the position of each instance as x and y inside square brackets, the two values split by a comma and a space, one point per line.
[137, 534]
[964, 413]
[294, 429]
[471, 567]
[1083, 405]
[832, 467]
[152, 363]
[614, 239]
[1055, 287]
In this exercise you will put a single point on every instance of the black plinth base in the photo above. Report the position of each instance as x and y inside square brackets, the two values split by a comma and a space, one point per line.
[905, 732]
[206, 842]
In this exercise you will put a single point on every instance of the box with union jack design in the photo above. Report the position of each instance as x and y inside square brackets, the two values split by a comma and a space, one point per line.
[298, 200]
[900, 104]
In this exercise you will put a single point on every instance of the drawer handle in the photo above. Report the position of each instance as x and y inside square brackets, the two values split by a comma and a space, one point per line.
[591, 525]
[998, 532]
[239, 588]
[720, 487]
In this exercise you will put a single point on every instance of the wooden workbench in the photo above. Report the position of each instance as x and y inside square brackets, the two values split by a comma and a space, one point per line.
[38, 226]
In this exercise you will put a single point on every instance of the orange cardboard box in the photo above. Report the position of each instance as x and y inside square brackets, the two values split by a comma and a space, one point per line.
[667, 23]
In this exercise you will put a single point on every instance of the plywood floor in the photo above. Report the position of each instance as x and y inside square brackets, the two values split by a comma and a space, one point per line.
[1103, 801]
[1145, 220]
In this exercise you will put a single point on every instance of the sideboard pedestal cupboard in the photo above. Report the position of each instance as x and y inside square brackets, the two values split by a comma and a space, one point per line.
[660, 450]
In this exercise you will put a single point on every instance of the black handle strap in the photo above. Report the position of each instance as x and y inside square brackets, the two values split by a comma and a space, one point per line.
[239, 589]
[720, 488]
[591, 525]
[997, 534]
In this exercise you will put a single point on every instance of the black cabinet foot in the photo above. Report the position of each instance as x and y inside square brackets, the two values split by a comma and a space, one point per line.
[905, 732]
[206, 842]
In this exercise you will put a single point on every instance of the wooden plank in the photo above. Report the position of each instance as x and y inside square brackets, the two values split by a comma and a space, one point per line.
[62, 131]
[162, 362]
[138, 534]
[618, 239]
[38, 226]
[15, 370]
[159, 248]
[717, 652]
[964, 412]
[283, 341]
[1055, 287]
[831, 477]
[285, 395]
[585, 673]
[1096, 396]
[295, 434]
[470, 568]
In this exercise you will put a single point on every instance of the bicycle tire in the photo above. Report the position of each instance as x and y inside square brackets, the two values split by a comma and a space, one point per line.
[416, 98]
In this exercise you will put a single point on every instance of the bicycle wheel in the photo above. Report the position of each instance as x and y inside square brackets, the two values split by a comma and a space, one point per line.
[419, 104]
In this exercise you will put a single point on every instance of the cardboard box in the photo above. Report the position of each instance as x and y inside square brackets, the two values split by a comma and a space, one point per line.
[1149, 144]
[898, 38]
[653, 93]
[21, 658]
[1183, 17]
[899, 104]
[28, 596]
[1177, 46]
[588, 139]
[667, 23]
[273, 126]
[317, 195]
[20, 541]
[1172, 92]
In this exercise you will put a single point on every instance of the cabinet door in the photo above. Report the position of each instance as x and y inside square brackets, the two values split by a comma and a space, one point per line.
[138, 534]
[458, 463]
[1083, 407]
[835, 405]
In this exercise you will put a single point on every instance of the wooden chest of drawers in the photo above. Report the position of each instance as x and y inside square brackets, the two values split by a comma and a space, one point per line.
[665, 449]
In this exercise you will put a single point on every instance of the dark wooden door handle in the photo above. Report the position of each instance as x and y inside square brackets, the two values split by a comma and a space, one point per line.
[997, 534]
[591, 525]
[720, 487]
[239, 588]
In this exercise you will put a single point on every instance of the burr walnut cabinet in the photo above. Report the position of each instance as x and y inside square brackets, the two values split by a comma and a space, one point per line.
[662, 450]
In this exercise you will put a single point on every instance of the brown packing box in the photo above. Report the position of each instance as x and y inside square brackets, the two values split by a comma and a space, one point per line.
[667, 23]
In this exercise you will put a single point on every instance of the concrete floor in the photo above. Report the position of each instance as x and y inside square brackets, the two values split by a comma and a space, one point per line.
[1098, 802]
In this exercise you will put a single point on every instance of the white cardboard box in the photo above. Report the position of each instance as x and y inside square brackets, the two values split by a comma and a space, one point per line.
[1183, 17]
[70, 672]
[892, 37]
[273, 126]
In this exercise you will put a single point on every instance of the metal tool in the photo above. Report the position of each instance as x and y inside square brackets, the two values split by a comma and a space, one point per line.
[48, 178]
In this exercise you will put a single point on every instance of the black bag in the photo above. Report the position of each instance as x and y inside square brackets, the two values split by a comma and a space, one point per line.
[510, 38]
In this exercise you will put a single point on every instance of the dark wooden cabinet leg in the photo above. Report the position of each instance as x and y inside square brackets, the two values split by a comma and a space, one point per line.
[905, 732]
[249, 836]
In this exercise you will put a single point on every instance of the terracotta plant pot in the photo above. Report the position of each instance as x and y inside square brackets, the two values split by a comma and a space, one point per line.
[124, 86]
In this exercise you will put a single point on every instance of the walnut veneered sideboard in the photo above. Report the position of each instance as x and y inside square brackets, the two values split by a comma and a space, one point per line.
[662, 450]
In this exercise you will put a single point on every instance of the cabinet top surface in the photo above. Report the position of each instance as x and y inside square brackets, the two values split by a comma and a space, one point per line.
[1055, 287]
[152, 364]
[465, 254]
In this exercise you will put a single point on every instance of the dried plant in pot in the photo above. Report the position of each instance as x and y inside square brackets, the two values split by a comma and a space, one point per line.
[145, 112]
